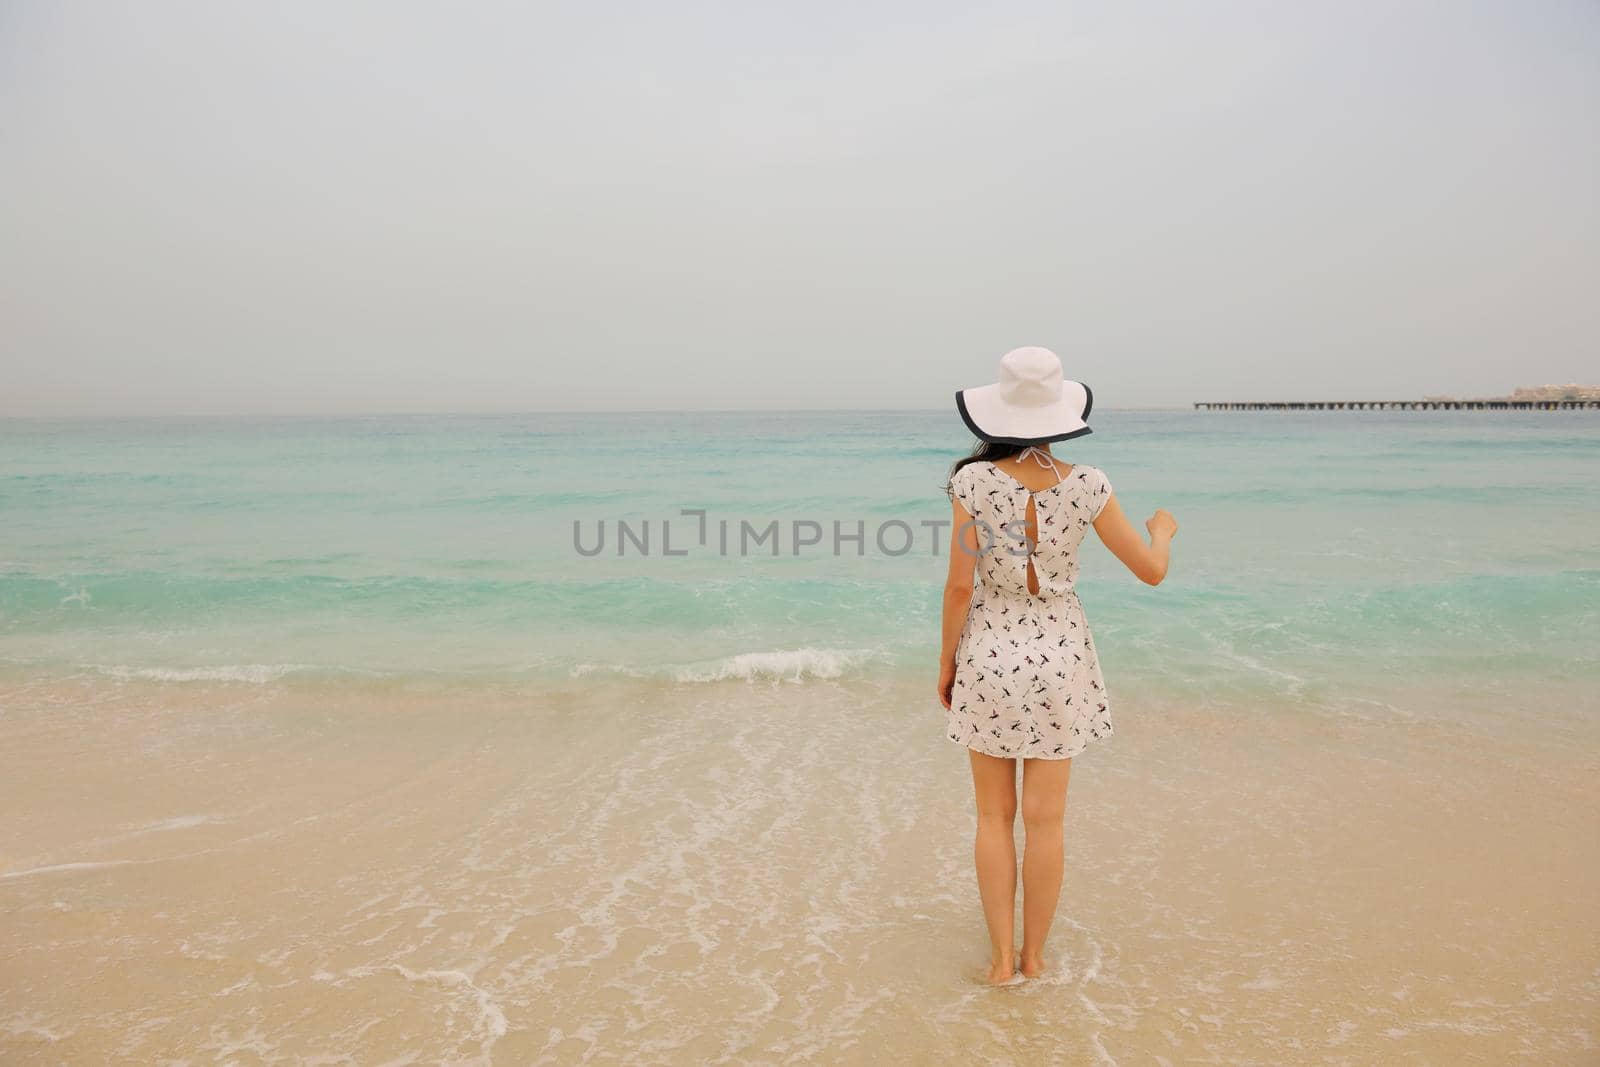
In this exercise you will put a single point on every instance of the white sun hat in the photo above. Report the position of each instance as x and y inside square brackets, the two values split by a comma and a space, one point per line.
[1031, 404]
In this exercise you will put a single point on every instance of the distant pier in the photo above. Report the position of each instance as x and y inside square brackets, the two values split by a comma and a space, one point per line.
[1393, 405]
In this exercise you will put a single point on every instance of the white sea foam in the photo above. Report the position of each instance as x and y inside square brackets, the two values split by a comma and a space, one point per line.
[791, 665]
[179, 822]
[250, 673]
[87, 865]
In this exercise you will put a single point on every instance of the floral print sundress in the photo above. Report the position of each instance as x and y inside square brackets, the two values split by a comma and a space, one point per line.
[1028, 682]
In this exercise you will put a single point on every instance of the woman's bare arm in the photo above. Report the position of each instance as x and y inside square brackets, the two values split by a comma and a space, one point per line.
[964, 549]
[1147, 562]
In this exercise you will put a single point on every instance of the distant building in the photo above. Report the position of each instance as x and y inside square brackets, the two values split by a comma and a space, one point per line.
[1557, 392]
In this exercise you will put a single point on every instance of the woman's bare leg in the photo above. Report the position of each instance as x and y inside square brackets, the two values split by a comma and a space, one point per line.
[994, 781]
[1044, 803]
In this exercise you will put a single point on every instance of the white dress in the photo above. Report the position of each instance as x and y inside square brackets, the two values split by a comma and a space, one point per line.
[1028, 682]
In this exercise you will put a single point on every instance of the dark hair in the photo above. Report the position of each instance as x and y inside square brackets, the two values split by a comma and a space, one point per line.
[983, 451]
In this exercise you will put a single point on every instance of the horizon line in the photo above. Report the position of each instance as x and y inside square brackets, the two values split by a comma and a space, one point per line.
[447, 413]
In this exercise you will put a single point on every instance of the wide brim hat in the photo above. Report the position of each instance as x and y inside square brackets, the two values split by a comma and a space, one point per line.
[1031, 404]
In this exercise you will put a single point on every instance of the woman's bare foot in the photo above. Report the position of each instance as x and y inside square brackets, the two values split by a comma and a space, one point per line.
[1003, 969]
[1032, 966]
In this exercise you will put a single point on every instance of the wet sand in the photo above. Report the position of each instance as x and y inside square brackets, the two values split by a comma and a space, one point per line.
[774, 873]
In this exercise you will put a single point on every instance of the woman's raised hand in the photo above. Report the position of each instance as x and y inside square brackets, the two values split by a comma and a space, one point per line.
[1161, 524]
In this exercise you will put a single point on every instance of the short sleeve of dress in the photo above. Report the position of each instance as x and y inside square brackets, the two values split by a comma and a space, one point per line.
[1100, 493]
[963, 486]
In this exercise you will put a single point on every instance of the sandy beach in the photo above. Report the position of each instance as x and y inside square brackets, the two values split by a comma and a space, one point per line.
[737, 872]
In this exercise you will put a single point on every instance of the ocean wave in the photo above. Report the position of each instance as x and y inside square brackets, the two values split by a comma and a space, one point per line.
[148, 598]
[246, 673]
[791, 665]
[782, 665]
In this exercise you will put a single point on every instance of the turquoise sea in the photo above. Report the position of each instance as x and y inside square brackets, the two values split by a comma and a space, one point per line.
[1322, 556]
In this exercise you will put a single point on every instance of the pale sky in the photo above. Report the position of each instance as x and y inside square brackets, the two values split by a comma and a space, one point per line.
[322, 207]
